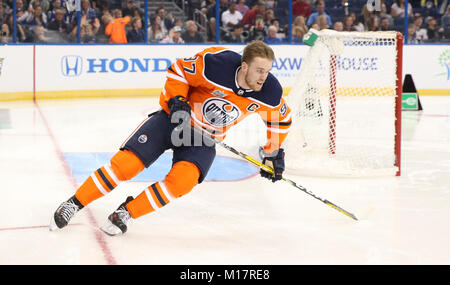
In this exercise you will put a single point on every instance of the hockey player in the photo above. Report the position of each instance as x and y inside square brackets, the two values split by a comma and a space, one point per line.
[211, 91]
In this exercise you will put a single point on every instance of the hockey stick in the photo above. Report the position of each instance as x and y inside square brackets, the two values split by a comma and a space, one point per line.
[270, 170]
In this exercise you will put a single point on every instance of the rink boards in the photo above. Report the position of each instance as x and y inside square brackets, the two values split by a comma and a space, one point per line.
[74, 71]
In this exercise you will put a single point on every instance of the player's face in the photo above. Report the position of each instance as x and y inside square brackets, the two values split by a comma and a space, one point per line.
[256, 72]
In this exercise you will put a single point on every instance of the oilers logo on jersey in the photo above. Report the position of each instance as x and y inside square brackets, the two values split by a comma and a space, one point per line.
[220, 112]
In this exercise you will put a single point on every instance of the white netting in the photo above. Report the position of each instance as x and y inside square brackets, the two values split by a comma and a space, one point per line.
[343, 104]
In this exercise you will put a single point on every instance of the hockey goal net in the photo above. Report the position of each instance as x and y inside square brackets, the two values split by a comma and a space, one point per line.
[346, 104]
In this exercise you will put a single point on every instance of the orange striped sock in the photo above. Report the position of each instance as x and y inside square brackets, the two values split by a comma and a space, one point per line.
[151, 199]
[101, 182]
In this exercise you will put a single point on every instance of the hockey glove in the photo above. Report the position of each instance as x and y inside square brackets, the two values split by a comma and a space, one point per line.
[274, 160]
[180, 110]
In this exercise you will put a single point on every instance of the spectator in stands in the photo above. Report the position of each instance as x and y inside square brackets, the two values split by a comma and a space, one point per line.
[211, 12]
[412, 38]
[320, 10]
[297, 34]
[116, 28]
[300, 22]
[322, 22]
[242, 7]
[166, 20]
[366, 14]
[33, 16]
[95, 6]
[231, 17]
[445, 22]
[257, 31]
[4, 33]
[21, 17]
[23, 35]
[101, 36]
[87, 31]
[179, 23]
[338, 26]
[131, 9]
[88, 11]
[398, 9]
[269, 16]
[58, 24]
[20, 6]
[174, 36]
[276, 24]
[250, 17]
[51, 14]
[3, 13]
[421, 32]
[357, 22]
[155, 31]
[45, 4]
[385, 25]
[373, 24]
[191, 35]
[211, 30]
[39, 18]
[348, 24]
[169, 21]
[5, 7]
[137, 33]
[385, 14]
[301, 8]
[285, 38]
[235, 35]
[271, 37]
[434, 32]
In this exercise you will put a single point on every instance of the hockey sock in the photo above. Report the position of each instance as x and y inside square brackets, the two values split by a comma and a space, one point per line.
[123, 166]
[179, 181]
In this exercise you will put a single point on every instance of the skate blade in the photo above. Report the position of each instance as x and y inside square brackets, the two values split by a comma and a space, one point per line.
[52, 227]
[111, 229]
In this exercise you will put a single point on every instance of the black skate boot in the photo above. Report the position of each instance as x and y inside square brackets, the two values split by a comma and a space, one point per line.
[64, 213]
[118, 220]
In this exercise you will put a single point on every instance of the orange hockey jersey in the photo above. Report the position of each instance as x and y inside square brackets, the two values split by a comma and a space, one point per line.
[209, 82]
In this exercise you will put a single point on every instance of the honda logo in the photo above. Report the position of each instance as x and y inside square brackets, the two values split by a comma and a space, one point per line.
[71, 65]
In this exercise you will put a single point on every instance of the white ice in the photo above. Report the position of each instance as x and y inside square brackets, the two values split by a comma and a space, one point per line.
[402, 220]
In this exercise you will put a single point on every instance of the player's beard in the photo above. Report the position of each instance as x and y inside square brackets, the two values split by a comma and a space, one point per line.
[252, 83]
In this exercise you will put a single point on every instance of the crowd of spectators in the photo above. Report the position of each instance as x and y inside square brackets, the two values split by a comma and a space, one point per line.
[114, 21]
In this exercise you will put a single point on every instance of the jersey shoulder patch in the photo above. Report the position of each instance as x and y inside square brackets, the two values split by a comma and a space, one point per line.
[271, 92]
[220, 67]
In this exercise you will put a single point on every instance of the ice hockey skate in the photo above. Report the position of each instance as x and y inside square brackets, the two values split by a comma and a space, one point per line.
[64, 213]
[118, 221]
